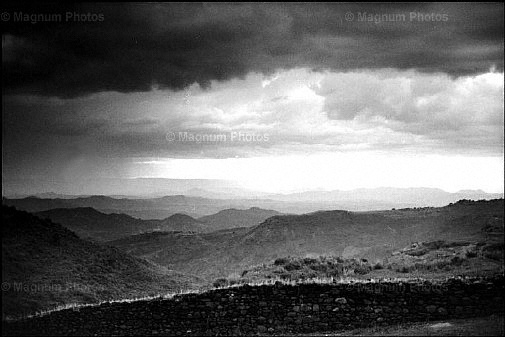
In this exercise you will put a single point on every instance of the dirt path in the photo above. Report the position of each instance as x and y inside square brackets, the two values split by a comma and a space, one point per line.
[481, 326]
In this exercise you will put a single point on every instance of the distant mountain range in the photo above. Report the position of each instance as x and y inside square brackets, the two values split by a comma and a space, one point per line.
[156, 208]
[418, 196]
[140, 188]
[45, 265]
[297, 203]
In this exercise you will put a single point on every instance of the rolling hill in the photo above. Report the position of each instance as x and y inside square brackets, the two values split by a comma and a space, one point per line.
[45, 265]
[370, 235]
[91, 224]
[195, 252]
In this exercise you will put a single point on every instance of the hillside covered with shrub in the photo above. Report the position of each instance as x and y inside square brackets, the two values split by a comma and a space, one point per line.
[44, 265]
[430, 260]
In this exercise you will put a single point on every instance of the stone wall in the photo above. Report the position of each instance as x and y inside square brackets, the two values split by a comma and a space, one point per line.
[276, 309]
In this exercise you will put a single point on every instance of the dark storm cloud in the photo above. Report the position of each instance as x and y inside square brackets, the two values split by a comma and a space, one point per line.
[139, 46]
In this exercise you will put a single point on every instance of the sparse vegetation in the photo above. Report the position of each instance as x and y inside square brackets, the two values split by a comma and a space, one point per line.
[294, 269]
[221, 282]
[493, 251]
[378, 266]
[280, 261]
[458, 257]
[471, 254]
[437, 258]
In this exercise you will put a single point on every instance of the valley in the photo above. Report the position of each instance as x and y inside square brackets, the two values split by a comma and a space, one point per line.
[370, 235]
[118, 257]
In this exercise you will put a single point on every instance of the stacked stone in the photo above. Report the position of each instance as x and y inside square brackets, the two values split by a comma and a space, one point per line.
[276, 309]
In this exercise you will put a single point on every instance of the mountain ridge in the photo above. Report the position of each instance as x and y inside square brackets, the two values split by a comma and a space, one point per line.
[163, 207]
[92, 224]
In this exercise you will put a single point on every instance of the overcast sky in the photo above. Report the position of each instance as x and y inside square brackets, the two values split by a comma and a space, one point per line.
[277, 97]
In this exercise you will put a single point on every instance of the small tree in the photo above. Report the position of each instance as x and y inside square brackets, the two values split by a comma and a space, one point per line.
[220, 282]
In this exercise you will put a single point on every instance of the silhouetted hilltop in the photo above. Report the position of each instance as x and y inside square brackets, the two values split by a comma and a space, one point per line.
[231, 218]
[182, 222]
